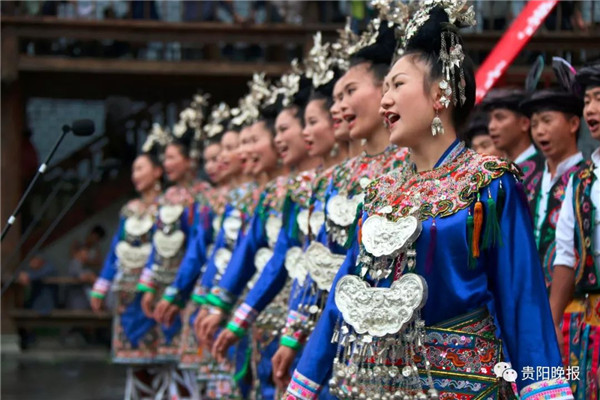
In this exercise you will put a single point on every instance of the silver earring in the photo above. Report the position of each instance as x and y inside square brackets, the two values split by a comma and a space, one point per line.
[334, 150]
[436, 125]
[157, 186]
[363, 142]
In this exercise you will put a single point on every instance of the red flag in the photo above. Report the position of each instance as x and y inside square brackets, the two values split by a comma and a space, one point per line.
[511, 43]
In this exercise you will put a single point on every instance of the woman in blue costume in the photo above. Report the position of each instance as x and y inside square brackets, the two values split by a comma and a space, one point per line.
[180, 209]
[290, 146]
[355, 94]
[130, 249]
[442, 283]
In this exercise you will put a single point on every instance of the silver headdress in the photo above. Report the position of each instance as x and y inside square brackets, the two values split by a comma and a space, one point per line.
[157, 137]
[319, 64]
[219, 115]
[248, 109]
[451, 53]
[340, 53]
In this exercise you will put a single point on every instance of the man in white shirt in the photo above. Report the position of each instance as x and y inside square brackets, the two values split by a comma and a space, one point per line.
[577, 263]
[509, 129]
[555, 123]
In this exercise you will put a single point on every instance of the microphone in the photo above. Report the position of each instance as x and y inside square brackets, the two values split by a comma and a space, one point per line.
[81, 127]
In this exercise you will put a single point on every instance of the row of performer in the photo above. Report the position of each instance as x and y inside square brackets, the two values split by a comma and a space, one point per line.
[347, 243]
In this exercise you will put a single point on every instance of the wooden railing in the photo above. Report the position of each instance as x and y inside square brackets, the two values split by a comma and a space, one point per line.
[276, 40]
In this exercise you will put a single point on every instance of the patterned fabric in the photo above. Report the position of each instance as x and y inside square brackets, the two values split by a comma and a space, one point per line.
[243, 317]
[433, 191]
[546, 242]
[556, 389]
[532, 169]
[587, 274]
[302, 388]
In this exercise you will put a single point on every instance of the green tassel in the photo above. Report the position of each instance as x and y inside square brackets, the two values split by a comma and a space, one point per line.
[287, 207]
[492, 234]
[470, 225]
[500, 201]
[352, 229]
[294, 221]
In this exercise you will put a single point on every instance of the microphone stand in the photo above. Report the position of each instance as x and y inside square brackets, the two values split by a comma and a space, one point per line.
[45, 206]
[43, 167]
[48, 231]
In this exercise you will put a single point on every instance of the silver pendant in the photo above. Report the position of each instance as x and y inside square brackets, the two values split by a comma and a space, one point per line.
[232, 225]
[169, 214]
[261, 258]
[322, 264]
[380, 311]
[295, 264]
[317, 219]
[341, 210]
[272, 228]
[302, 220]
[138, 225]
[167, 246]
[382, 237]
[216, 223]
[222, 258]
[131, 257]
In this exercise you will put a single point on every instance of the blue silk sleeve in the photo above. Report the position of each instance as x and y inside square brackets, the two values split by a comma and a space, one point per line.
[273, 277]
[109, 269]
[241, 267]
[516, 282]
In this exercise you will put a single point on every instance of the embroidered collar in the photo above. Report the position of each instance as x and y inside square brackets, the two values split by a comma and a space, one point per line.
[442, 191]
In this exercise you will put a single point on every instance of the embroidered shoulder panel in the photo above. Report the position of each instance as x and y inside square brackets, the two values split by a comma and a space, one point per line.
[300, 187]
[356, 174]
[439, 192]
[137, 207]
[321, 181]
[178, 195]
[274, 194]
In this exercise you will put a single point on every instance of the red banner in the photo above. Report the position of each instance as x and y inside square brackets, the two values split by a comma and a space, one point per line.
[511, 43]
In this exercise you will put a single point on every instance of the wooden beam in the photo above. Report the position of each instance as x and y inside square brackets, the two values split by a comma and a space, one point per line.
[160, 31]
[93, 66]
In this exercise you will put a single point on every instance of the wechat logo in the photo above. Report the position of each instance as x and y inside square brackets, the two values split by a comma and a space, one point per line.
[503, 370]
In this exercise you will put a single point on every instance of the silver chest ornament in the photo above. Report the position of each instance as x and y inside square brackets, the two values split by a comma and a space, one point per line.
[169, 214]
[132, 257]
[168, 245]
[384, 238]
[272, 229]
[138, 226]
[216, 223]
[380, 311]
[261, 258]
[232, 225]
[295, 264]
[341, 210]
[381, 331]
[322, 265]
[222, 258]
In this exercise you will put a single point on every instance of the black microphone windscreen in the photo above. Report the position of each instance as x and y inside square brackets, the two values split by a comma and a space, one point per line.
[83, 127]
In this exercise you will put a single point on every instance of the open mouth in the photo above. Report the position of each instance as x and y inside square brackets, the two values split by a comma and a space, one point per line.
[391, 118]
[544, 144]
[593, 123]
[350, 118]
[282, 149]
[337, 122]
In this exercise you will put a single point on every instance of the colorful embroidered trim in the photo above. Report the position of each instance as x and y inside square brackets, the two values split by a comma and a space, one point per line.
[244, 316]
[439, 192]
[302, 388]
[147, 279]
[101, 286]
[239, 332]
[555, 389]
